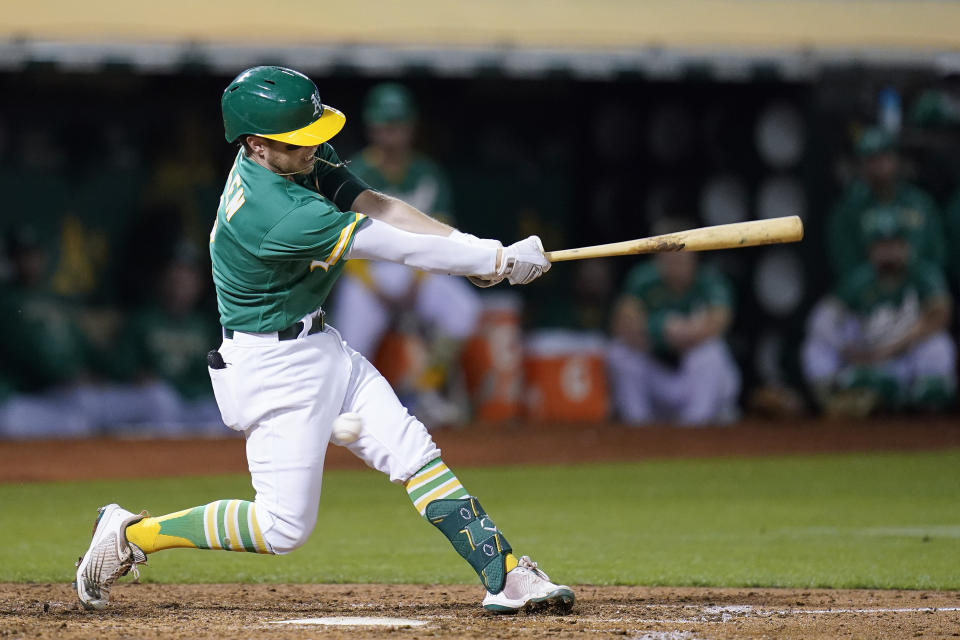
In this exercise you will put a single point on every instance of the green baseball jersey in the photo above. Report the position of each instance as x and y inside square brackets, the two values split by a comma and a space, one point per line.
[42, 345]
[886, 308]
[423, 185]
[918, 213]
[644, 282]
[276, 245]
[171, 347]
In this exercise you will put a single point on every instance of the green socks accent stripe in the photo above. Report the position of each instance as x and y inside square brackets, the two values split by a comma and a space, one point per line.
[432, 482]
[224, 524]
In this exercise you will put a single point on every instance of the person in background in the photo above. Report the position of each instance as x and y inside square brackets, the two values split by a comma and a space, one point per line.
[165, 347]
[439, 312]
[952, 230]
[668, 360]
[882, 340]
[43, 356]
[882, 186]
[582, 299]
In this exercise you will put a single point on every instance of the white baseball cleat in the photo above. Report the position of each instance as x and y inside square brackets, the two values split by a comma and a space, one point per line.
[109, 556]
[529, 587]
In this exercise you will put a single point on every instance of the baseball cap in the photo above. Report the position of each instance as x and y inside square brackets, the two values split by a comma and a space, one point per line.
[874, 141]
[389, 102]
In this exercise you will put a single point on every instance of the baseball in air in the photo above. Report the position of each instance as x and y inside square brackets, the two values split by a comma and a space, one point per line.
[346, 428]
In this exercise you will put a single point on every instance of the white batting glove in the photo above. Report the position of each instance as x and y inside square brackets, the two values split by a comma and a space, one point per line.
[523, 262]
[469, 238]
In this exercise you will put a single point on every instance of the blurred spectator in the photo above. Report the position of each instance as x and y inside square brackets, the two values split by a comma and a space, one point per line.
[669, 361]
[374, 297]
[578, 296]
[165, 347]
[881, 340]
[882, 185]
[43, 353]
[47, 363]
[952, 229]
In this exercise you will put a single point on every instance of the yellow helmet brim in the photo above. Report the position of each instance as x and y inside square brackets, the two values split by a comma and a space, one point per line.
[317, 132]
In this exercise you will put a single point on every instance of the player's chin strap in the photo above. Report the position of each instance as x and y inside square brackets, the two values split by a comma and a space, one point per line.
[473, 534]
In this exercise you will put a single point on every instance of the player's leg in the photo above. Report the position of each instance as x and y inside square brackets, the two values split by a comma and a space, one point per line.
[291, 392]
[397, 444]
[43, 416]
[706, 389]
[932, 383]
[829, 332]
[359, 314]
[631, 375]
[448, 304]
[450, 308]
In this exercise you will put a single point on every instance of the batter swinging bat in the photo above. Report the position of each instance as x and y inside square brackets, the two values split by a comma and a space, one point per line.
[722, 236]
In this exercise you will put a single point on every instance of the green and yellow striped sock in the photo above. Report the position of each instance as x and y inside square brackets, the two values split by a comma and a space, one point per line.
[225, 524]
[432, 482]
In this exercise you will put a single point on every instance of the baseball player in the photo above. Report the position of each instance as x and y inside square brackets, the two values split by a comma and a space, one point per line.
[668, 359]
[290, 216]
[882, 186]
[372, 296]
[881, 339]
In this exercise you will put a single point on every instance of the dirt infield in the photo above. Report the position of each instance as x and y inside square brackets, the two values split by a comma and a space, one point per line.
[246, 611]
[484, 445]
[230, 611]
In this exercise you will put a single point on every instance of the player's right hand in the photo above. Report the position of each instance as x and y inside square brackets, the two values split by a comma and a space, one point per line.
[524, 261]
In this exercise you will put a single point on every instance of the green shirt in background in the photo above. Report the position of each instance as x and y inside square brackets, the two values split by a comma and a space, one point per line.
[423, 185]
[277, 245]
[172, 348]
[644, 282]
[42, 345]
[846, 240]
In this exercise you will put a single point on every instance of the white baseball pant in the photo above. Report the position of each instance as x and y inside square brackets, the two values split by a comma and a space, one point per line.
[831, 331]
[285, 395]
[702, 390]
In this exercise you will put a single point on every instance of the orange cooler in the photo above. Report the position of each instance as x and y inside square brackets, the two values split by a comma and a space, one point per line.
[566, 376]
[493, 358]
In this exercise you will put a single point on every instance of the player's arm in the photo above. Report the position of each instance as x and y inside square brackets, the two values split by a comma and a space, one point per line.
[708, 322]
[398, 213]
[934, 318]
[689, 331]
[350, 193]
[521, 262]
[629, 322]
[401, 215]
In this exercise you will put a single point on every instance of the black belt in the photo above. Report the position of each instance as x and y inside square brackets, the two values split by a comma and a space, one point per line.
[317, 323]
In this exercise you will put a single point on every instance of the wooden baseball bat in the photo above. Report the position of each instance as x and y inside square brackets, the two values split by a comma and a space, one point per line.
[721, 236]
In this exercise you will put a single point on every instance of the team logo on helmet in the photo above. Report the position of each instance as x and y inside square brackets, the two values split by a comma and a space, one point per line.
[317, 105]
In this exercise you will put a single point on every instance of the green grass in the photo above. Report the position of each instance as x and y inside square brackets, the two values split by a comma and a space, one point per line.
[882, 520]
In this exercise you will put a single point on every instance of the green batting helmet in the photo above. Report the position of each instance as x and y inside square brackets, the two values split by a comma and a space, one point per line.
[280, 104]
[389, 102]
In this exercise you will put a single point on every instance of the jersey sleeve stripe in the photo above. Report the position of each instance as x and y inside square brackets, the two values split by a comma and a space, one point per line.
[344, 240]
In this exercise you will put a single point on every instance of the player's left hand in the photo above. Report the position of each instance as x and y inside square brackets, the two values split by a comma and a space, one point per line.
[483, 283]
[469, 238]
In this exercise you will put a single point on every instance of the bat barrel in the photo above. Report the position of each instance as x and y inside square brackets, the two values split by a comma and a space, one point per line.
[725, 236]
